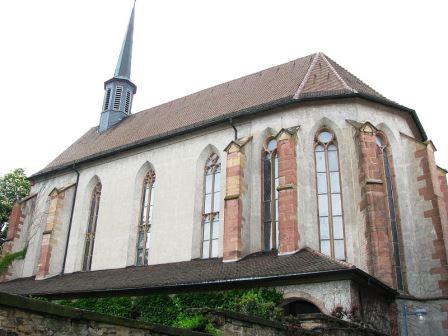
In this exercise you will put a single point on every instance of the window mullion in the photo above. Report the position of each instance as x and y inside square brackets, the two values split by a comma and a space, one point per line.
[93, 229]
[212, 211]
[145, 228]
[273, 207]
[330, 209]
[140, 258]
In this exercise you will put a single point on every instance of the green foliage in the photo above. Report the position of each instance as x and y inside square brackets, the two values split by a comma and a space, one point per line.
[179, 310]
[193, 322]
[13, 186]
[261, 304]
[196, 323]
[117, 306]
[211, 329]
[9, 258]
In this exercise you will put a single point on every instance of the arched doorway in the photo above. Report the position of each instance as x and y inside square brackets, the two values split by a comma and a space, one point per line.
[295, 307]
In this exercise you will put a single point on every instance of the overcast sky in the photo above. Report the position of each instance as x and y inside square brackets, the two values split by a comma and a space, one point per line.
[56, 54]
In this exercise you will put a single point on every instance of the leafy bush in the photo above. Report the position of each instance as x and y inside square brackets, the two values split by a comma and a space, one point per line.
[9, 258]
[176, 310]
[259, 303]
[193, 322]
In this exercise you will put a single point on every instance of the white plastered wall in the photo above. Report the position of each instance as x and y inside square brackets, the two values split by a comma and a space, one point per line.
[177, 206]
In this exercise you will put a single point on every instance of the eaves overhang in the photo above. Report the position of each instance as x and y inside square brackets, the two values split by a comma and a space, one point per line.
[353, 274]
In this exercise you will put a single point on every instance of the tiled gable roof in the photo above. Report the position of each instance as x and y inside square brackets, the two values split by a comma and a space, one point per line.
[311, 76]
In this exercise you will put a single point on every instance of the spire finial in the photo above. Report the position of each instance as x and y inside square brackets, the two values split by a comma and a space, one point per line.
[123, 69]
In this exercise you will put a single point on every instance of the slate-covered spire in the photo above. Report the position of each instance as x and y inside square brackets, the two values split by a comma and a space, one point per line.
[119, 90]
[123, 69]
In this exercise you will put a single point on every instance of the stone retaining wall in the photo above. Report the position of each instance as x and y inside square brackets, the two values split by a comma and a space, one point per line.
[231, 323]
[23, 316]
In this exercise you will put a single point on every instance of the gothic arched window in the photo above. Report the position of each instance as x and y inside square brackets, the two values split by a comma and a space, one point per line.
[329, 200]
[145, 221]
[383, 151]
[212, 200]
[91, 227]
[270, 195]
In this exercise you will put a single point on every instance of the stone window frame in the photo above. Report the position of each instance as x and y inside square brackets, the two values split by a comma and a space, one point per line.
[334, 142]
[212, 164]
[145, 218]
[385, 152]
[273, 209]
[91, 227]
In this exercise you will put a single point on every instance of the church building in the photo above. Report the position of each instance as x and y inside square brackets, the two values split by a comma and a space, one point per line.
[299, 177]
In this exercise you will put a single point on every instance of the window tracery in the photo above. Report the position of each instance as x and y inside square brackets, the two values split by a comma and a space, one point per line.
[270, 195]
[211, 208]
[91, 227]
[145, 221]
[329, 195]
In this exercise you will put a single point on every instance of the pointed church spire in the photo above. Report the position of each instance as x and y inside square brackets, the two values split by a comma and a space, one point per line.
[123, 69]
[119, 89]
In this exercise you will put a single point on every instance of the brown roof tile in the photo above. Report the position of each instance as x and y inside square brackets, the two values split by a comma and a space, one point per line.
[177, 275]
[314, 75]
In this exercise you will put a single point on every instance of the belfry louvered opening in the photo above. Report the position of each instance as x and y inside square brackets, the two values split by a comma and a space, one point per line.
[127, 103]
[118, 93]
[107, 99]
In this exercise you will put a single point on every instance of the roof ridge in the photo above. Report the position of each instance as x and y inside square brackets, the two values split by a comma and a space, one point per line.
[338, 76]
[307, 75]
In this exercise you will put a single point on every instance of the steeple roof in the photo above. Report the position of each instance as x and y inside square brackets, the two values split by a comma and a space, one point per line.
[123, 69]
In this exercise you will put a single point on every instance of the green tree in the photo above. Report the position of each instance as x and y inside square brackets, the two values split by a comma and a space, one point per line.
[13, 186]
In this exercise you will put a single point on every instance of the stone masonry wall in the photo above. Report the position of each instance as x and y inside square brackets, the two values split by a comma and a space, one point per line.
[231, 323]
[16, 238]
[54, 236]
[56, 201]
[374, 206]
[21, 316]
[431, 193]
[234, 201]
[287, 189]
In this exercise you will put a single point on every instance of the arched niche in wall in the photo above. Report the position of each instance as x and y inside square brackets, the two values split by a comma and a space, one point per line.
[299, 306]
